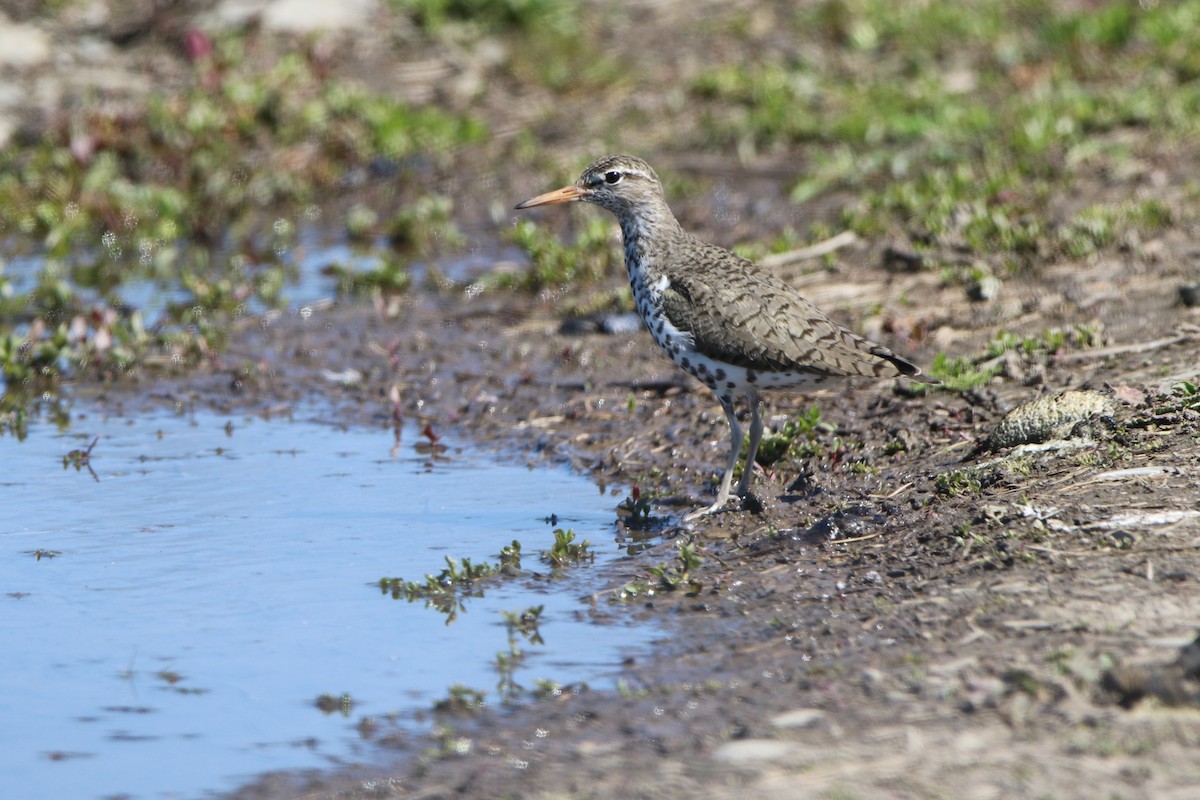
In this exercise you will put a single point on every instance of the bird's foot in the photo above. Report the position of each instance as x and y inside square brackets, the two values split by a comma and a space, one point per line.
[748, 502]
[704, 512]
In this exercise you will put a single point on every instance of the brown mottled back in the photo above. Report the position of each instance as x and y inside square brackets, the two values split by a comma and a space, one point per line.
[740, 313]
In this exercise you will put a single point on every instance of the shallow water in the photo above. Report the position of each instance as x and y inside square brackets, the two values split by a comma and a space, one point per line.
[315, 249]
[191, 605]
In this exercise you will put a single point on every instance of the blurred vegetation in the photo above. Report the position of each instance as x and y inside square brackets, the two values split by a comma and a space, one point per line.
[591, 257]
[999, 134]
[965, 120]
[558, 16]
[180, 195]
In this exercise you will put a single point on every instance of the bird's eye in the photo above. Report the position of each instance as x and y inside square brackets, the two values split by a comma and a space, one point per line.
[612, 177]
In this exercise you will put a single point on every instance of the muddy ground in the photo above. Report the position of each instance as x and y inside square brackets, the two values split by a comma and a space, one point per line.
[905, 613]
[862, 633]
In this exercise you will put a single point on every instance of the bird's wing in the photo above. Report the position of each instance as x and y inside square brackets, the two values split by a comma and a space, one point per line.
[755, 320]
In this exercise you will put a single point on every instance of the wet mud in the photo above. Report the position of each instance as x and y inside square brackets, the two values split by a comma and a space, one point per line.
[901, 611]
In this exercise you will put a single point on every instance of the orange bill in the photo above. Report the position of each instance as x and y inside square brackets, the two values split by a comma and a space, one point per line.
[563, 195]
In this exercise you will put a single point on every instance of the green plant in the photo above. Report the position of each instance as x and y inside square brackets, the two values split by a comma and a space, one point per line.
[678, 574]
[444, 590]
[636, 511]
[41, 553]
[525, 625]
[566, 551]
[632, 589]
[82, 458]
[510, 558]
[636, 506]
[796, 438]
[387, 278]
[545, 689]
[425, 225]
[342, 704]
[460, 700]
[960, 374]
[361, 222]
[1188, 394]
[969, 156]
[106, 199]
[590, 258]
[956, 482]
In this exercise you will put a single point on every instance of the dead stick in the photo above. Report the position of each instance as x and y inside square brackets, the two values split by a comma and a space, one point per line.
[777, 260]
[1120, 349]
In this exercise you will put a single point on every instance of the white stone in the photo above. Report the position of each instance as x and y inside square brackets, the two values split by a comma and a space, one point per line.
[93, 50]
[798, 718]
[750, 751]
[303, 16]
[232, 13]
[23, 46]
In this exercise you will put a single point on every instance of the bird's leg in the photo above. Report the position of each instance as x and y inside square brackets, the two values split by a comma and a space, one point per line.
[756, 432]
[735, 449]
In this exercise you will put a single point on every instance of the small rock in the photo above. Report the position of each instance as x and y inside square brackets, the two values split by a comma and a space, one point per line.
[1130, 395]
[984, 289]
[576, 326]
[897, 259]
[798, 718]
[305, 16]
[621, 323]
[1189, 294]
[751, 751]
[601, 323]
[1049, 417]
[93, 50]
[872, 680]
[960, 81]
[347, 377]
[23, 46]
[294, 16]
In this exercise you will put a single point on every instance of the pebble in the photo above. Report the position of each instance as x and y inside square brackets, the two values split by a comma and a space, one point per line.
[604, 323]
[306, 16]
[984, 289]
[753, 751]
[23, 46]
[1049, 417]
[293, 16]
[621, 323]
[798, 718]
[1189, 294]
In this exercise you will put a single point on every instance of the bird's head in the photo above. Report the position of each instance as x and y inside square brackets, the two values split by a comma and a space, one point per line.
[622, 184]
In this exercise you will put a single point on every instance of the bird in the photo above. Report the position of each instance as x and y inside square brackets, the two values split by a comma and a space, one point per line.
[724, 319]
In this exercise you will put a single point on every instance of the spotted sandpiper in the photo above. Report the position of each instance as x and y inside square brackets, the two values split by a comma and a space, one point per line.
[722, 318]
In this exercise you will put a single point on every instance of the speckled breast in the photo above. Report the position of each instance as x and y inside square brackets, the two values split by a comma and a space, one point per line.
[729, 381]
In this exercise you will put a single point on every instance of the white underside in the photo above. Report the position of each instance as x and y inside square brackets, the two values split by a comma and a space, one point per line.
[731, 383]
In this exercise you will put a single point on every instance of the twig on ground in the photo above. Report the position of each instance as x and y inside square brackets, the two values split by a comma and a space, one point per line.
[777, 260]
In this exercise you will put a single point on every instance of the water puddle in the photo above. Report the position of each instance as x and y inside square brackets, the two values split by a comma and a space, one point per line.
[308, 278]
[171, 621]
